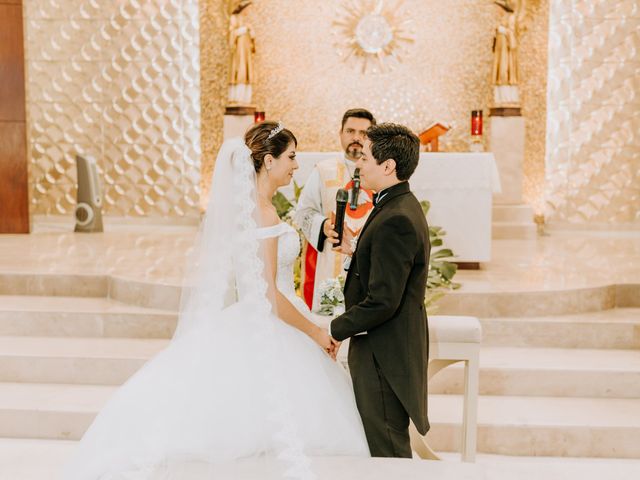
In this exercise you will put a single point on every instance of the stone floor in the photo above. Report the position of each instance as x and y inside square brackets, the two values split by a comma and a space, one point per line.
[44, 459]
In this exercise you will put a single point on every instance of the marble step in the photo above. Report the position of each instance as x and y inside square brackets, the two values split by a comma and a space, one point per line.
[513, 230]
[59, 316]
[99, 361]
[100, 317]
[473, 299]
[151, 293]
[579, 427]
[145, 293]
[50, 411]
[54, 284]
[617, 328]
[520, 213]
[550, 373]
[33, 459]
[27, 459]
[541, 426]
[504, 371]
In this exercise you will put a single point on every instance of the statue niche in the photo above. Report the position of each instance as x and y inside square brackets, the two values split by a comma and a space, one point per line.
[242, 46]
[505, 74]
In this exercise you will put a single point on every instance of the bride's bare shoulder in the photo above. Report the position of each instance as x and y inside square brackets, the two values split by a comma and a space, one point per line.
[268, 217]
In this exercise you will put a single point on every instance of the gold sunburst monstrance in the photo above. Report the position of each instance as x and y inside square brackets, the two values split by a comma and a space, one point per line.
[374, 32]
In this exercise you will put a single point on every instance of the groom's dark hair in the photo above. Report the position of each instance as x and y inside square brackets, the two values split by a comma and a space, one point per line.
[390, 140]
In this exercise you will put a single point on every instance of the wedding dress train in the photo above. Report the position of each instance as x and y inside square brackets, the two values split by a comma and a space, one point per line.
[209, 396]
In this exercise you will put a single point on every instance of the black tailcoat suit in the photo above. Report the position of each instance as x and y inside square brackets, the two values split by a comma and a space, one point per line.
[384, 297]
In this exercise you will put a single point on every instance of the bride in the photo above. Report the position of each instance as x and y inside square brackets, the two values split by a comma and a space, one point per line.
[247, 374]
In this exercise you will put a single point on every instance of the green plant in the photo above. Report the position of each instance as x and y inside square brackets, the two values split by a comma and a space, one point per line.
[283, 205]
[441, 269]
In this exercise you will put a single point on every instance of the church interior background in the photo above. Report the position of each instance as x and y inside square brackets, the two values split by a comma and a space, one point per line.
[143, 87]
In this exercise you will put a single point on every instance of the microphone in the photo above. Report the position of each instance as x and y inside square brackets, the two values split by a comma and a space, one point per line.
[342, 197]
[355, 191]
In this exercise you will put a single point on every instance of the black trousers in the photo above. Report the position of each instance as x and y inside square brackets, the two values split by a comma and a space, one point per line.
[385, 420]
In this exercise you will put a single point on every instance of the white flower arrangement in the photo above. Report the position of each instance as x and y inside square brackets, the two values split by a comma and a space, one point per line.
[332, 296]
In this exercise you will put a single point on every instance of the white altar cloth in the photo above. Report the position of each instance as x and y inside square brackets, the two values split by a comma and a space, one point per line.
[459, 187]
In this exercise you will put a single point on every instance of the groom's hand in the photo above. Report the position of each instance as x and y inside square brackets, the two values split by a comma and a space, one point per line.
[335, 347]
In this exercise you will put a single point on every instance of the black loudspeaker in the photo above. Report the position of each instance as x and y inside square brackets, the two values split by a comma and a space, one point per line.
[88, 213]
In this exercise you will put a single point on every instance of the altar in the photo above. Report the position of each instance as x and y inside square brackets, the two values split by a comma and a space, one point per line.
[460, 188]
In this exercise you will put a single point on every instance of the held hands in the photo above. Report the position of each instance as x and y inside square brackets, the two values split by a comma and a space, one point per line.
[329, 345]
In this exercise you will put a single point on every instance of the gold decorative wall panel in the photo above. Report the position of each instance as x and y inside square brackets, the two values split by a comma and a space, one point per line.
[303, 81]
[214, 62]
[119, 81]
[593, 140]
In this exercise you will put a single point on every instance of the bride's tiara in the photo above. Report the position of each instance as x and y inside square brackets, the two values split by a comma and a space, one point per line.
[276, 130]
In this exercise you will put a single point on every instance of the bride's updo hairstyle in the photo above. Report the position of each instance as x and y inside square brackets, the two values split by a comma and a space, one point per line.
[267, 138]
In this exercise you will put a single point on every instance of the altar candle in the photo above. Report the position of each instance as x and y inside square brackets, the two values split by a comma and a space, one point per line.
[476, 122]
[258, 117]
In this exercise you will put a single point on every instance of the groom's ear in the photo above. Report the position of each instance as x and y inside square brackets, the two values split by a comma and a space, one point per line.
[389, 166]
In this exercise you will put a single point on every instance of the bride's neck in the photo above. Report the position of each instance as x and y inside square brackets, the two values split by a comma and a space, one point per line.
[266, 188]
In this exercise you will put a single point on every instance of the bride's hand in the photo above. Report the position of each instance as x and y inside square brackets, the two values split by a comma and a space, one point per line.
[322, 338]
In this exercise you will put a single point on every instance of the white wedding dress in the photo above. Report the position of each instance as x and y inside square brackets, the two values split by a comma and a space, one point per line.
[210, 397]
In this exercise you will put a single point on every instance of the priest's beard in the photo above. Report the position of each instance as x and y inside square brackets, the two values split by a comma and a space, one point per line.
[354, 152]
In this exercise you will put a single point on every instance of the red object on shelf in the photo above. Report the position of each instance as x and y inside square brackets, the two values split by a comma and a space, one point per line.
[476, 122]
[258, 117]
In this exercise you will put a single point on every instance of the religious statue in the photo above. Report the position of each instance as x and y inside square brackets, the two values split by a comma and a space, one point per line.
[505, 75]
[242, 45]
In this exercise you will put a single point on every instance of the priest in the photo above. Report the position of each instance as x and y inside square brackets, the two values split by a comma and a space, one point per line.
[316, 208]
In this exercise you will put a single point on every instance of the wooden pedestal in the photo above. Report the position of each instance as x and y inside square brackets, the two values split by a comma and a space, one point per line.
[14, 180]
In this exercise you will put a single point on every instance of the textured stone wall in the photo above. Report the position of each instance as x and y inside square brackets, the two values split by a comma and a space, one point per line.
[119, 81]
[593, 139]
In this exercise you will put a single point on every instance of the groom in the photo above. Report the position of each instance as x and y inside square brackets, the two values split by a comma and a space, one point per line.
[384, 296]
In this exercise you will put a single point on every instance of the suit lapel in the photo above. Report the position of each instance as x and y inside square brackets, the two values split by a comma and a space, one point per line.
[395, 191]
[374, 212]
